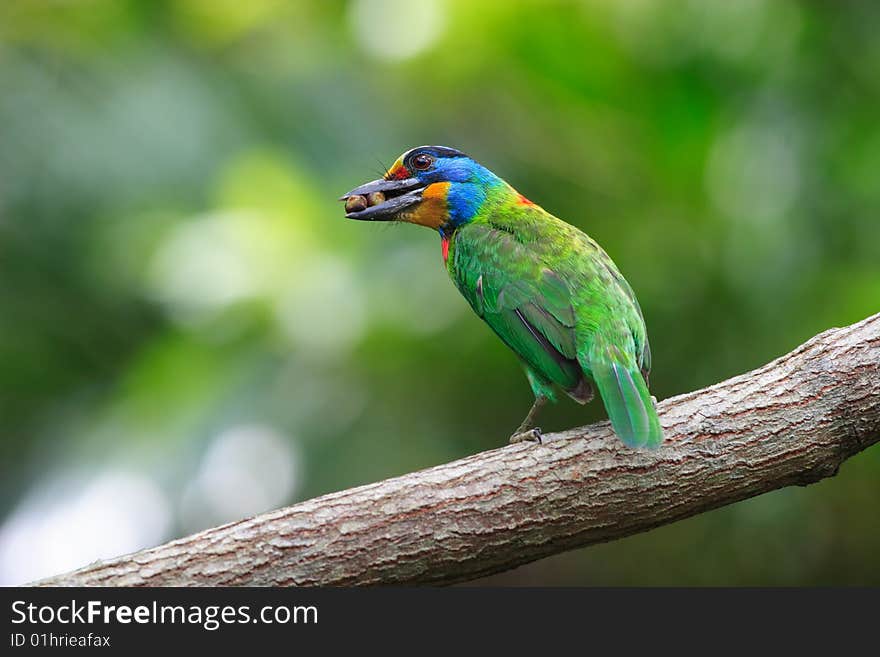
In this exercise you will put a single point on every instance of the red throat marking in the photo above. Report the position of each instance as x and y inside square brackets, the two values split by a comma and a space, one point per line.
[444, 247]
[524, 201]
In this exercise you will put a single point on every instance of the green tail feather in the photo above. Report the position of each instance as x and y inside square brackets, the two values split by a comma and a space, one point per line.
[625, 395]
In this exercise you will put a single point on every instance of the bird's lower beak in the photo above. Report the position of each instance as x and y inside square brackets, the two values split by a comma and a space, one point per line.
[382, 200]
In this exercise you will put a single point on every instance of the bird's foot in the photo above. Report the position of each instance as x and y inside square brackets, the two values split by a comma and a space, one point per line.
[527, 436]
[654, 402]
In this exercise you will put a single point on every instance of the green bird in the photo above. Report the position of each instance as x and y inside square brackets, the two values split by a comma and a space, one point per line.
[547, 289]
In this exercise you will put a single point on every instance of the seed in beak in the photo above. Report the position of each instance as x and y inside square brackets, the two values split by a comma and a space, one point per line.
[355, 203]
[376, 198]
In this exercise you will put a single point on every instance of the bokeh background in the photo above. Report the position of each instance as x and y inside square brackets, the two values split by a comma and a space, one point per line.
[190, 332]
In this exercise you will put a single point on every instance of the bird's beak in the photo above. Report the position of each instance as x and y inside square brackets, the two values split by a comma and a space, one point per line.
[383, 200]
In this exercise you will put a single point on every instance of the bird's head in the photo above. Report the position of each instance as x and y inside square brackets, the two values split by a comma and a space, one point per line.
[432, 186]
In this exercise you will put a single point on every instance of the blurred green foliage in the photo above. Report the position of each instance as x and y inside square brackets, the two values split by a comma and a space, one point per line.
[190, 330]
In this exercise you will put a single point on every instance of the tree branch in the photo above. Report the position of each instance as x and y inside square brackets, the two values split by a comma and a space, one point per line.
[793, 421]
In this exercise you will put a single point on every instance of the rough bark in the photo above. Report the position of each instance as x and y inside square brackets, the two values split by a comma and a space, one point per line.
[793, 421]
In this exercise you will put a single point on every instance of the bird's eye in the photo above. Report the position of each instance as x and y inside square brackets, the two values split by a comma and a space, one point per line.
[422, 161]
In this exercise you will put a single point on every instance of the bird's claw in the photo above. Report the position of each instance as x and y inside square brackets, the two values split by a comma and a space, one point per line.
[529, 436]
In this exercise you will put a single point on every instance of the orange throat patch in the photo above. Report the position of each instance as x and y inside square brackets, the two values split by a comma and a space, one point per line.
[433, 210]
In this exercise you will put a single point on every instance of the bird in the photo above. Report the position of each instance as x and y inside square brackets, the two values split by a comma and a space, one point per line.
[547, 289]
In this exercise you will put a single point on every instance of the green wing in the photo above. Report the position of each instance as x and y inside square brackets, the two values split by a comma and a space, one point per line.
[522, 300]
[643, 346]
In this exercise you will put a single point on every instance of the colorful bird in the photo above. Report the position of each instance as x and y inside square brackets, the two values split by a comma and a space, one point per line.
[546, 289]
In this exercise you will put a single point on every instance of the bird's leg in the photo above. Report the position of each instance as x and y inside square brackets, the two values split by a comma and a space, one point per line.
[527, 431]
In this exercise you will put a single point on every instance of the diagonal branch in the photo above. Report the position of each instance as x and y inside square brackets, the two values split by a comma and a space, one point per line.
[793, 421]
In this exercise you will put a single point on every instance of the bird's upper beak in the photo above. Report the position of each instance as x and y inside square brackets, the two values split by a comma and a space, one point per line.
[399, 195]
